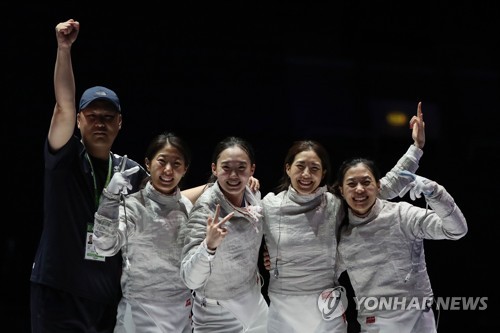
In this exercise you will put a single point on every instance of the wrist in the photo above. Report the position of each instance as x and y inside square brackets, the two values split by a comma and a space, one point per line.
[110, 195]
[209, 250]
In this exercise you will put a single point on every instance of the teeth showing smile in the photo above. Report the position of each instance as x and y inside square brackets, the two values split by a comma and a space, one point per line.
[166, 179]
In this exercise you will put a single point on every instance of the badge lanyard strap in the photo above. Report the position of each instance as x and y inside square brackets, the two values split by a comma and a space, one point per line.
[97, 196]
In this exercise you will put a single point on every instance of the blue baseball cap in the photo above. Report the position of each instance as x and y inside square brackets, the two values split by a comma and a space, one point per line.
[101, 93]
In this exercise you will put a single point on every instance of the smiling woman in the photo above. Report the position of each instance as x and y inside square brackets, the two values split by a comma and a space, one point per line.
[359, 189]
[146, 232]
[300, 230]
[381, 247]
[220, 257]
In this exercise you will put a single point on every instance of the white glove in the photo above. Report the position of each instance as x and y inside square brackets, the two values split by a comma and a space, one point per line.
[418, 186]
[120, 182]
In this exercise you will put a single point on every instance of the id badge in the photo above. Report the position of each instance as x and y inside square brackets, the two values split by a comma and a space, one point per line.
[90, 251]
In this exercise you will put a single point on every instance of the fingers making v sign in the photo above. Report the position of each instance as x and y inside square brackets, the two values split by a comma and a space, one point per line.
[216, 231]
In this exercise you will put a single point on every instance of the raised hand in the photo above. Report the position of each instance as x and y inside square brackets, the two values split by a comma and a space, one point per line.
[66, 32]
[418, 127]
[216, 230]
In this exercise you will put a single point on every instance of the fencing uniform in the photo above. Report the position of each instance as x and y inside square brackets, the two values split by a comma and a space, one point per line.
[155, 299]
[300, 233]
[383, 254]
[227, 284]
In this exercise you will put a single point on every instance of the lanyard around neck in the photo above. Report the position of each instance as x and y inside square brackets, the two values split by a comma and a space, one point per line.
[97, 195]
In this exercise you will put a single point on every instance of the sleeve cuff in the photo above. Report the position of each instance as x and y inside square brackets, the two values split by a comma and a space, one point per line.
[110, 196]
[415, 153]
[210, 253]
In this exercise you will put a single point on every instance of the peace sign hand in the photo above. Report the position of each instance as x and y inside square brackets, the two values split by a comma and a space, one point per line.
[216, 230]
[120, 182]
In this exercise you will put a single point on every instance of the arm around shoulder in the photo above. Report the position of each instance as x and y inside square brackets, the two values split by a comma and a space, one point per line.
[194, 193]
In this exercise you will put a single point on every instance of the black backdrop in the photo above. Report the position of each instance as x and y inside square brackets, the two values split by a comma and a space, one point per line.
[271, 74]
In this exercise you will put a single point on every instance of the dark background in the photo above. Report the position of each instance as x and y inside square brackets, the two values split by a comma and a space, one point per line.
[270, 73]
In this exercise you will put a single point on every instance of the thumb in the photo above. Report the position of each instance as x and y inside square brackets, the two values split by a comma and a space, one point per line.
[405, 190]
[412, 195]
[130, 171]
